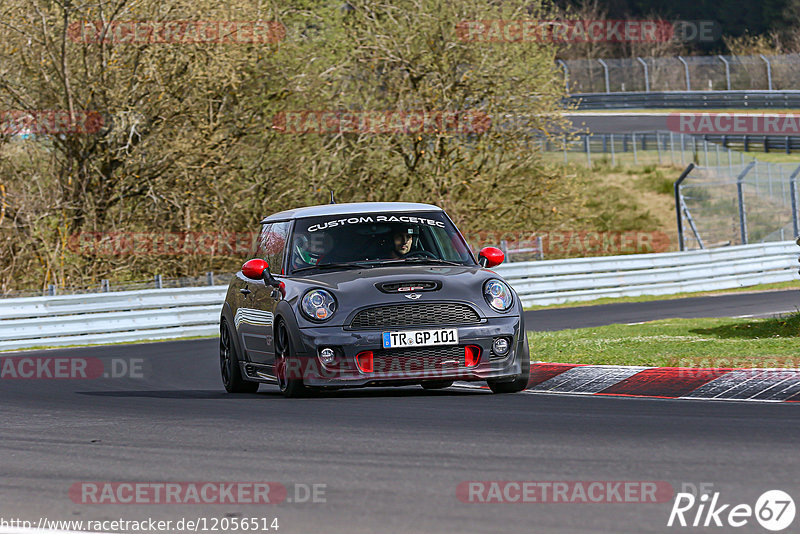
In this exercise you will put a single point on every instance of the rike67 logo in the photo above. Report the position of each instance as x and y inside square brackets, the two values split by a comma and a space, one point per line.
[774, 510]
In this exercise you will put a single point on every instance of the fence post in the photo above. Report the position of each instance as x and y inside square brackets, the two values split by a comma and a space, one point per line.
[51, 290]
[686, 69]
[633, 142]
[769, 72]
[658, 147]
[740, 194]
[727, 72]
[672, 148]
[158, 282]
[588, 148]
[646, 76]
[566, 73]
[678, 202]
[613, 156]
[793, 196]
[605, 71]
[210, 278]
[105, 286]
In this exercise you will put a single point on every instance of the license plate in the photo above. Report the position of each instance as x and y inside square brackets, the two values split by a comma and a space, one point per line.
[420, 338]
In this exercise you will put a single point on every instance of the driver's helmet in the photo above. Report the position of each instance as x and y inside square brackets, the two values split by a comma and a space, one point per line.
[310, 249]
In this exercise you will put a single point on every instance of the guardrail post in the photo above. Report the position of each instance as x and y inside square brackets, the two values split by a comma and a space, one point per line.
[788, 146]
[793, 196]
[605, 71]
[740, 194]
[51, 290]
[158, 282]
[646, 76]
[679, 202]
[105, 286]
[686, 69]
[210, 278]
[565, 150]
[769, 72]
[727, 71]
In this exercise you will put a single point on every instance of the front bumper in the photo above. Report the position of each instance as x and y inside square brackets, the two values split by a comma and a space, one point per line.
[403, 369]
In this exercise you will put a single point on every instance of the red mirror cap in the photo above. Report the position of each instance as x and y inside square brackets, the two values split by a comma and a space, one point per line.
[494, 256]
[254, 269]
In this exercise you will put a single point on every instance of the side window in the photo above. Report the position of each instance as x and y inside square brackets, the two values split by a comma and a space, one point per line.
[272, 244]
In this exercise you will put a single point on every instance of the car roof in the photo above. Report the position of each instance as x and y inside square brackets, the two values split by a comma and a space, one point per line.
[348, 209]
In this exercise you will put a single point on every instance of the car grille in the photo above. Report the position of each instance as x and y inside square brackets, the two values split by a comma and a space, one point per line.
[415, 315]
[418, 359]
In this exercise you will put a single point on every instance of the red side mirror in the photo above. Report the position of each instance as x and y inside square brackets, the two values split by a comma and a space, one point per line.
[491, 257]
[254, 269]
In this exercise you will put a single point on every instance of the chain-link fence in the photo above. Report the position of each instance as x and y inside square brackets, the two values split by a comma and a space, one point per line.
[657, 147]
[689, 73]
[737, 204]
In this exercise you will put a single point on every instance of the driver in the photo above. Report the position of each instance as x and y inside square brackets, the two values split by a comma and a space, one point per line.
[310, 249]
[403, 240]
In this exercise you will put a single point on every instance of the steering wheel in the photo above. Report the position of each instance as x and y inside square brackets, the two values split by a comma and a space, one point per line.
[421, 254]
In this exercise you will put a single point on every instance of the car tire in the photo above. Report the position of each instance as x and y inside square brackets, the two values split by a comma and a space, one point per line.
[519, 383]
[437, 384]
[231, 373]
[289, 387]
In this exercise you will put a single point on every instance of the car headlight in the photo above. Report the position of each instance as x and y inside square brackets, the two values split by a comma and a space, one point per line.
[318, 305]
[498, 295]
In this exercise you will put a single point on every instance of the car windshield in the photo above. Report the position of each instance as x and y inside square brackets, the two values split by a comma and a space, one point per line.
[375, 240]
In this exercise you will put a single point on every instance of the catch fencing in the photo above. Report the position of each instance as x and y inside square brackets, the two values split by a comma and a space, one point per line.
[152, 314]
[662, 148]
[682, 73]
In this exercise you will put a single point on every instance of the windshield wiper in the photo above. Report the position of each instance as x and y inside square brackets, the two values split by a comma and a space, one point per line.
[353, 265]
[421, 260]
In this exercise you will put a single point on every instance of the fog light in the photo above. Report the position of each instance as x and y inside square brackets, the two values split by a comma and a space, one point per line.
[500, 346]
[364, 361]
[326, 356]
[472, 355]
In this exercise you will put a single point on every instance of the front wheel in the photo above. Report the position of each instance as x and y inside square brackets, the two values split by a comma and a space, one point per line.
[290, 387]
[229, 363]
[519, 383]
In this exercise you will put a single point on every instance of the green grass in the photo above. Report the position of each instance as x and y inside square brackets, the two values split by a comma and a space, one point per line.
[727, 342]
[648, 298]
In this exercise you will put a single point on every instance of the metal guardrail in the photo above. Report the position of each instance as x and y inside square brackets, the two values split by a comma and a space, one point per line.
[186, 312]
[685, 99]
[581, 279]
[98, 318]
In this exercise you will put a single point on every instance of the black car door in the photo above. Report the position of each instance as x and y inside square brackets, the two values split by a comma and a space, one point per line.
[255, 314]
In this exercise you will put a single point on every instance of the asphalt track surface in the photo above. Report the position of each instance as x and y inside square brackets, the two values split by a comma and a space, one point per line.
[391, 459]
[617, 123]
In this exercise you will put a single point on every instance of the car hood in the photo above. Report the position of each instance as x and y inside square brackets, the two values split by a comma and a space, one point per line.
[357, 289]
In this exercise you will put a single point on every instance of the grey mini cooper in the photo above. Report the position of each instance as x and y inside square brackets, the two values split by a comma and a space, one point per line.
[369, 294]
